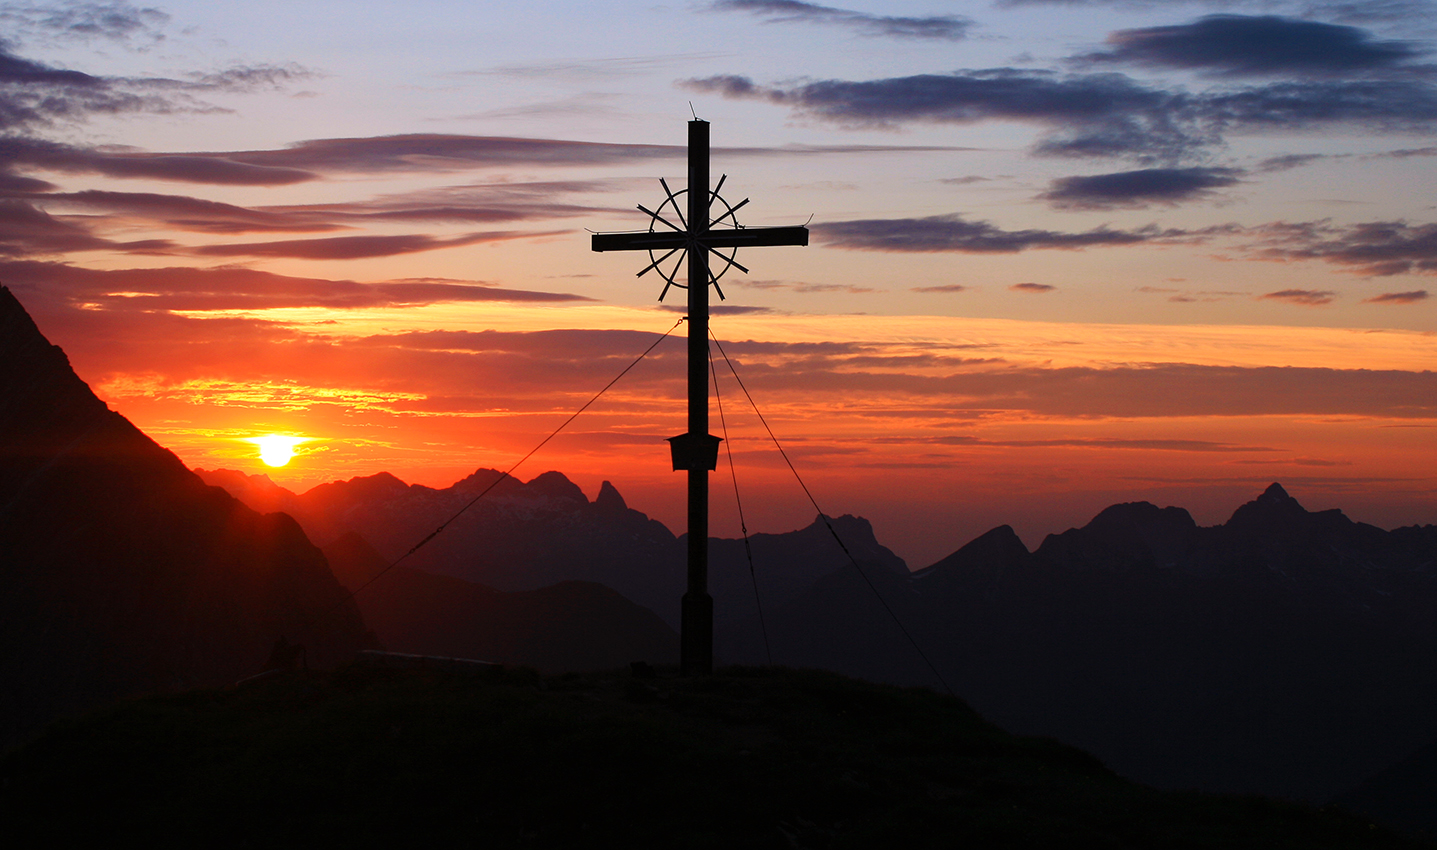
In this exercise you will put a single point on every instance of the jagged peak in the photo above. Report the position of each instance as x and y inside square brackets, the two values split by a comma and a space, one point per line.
[1001, 537]
[378, 479]
[1273, 507]
[609, 500]
[997, 547]
[1142, 514]
[557, 485]
[1275, 493]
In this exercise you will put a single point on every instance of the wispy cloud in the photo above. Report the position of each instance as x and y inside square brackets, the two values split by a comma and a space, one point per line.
[1287, 162]
[35, 95]
[467, 204]
[1032, 287]
[1377, 248]
[948, 27]
[1305, 297]
[127, 291]
[953, 233]
[1398, 297]
[357, 247]
[114, 21]
[1138, 189]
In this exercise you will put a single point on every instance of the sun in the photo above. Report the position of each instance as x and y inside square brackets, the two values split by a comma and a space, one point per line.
[276, 449]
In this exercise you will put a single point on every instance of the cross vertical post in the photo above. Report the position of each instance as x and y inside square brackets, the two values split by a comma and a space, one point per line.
[696, 628]
[696, 451]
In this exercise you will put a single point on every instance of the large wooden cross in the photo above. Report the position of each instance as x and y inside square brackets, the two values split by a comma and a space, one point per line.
[697, 450]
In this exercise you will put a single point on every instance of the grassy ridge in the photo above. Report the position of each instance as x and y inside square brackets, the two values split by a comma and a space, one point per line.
[747, 758]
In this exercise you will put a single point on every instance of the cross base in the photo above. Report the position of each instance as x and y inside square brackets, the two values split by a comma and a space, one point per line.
[696, 635]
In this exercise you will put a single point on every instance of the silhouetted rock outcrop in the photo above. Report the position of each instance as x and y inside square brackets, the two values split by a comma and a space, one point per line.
[120, 570]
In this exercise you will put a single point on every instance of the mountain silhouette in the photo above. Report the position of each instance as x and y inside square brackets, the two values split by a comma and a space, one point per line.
[528, 535]
[569, 626]
[120, 570]
[1284, 652]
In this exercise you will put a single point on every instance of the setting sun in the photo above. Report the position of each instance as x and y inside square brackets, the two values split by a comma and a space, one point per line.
[275, 449]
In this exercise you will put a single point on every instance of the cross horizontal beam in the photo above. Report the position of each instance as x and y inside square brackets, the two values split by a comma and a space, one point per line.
[746, 237]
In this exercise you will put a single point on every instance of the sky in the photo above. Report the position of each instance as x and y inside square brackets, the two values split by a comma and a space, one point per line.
[1064, 253]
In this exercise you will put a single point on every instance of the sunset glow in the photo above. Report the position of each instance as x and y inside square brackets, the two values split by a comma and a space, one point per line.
[275, 449]
[1214, 274]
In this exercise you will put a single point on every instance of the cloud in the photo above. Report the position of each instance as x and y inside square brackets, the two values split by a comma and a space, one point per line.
[948, 27]
[119, 22]
[473, 204]
[1289, 161]
[357, 247]
[215, 169]
[1138, 189]
[1032, 287]
[1157, 391]
[947, 287]
[799, 286]
[414, 153]
[513, 373]
[36, 95]
[1090, 115]
[952, 233]
[1405, 106]
[185, 213]
[32, 94]
[1267, 45]
[722, 309]
[25, 230]
[126, 291]
[1297, 461]
[1410, 152]
[1377, 248]
[1398, 297]
[1179, 296]
[1098, 115]
[1305, 297]
[1086, 443]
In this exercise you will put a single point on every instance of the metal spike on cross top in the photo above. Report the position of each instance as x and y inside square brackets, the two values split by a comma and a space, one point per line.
[694, 237]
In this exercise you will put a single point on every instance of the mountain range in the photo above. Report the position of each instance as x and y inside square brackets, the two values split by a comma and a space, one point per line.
[1282, 652]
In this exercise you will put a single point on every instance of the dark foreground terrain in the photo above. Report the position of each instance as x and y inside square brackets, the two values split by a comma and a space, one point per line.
[747, 758]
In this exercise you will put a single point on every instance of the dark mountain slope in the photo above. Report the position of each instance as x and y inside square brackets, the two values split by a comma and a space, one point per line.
[120, 570]
[573, 625]
[746, 758]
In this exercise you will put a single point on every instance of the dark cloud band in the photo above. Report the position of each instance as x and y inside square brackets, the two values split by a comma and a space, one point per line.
[1138, 189]
[949, 27]
[1241, 45]
[1109, 115]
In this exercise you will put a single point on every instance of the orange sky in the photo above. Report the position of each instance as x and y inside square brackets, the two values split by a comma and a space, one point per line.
[1054, 263]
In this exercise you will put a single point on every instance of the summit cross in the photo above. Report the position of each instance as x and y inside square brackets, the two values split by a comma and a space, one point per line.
[697, 449]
